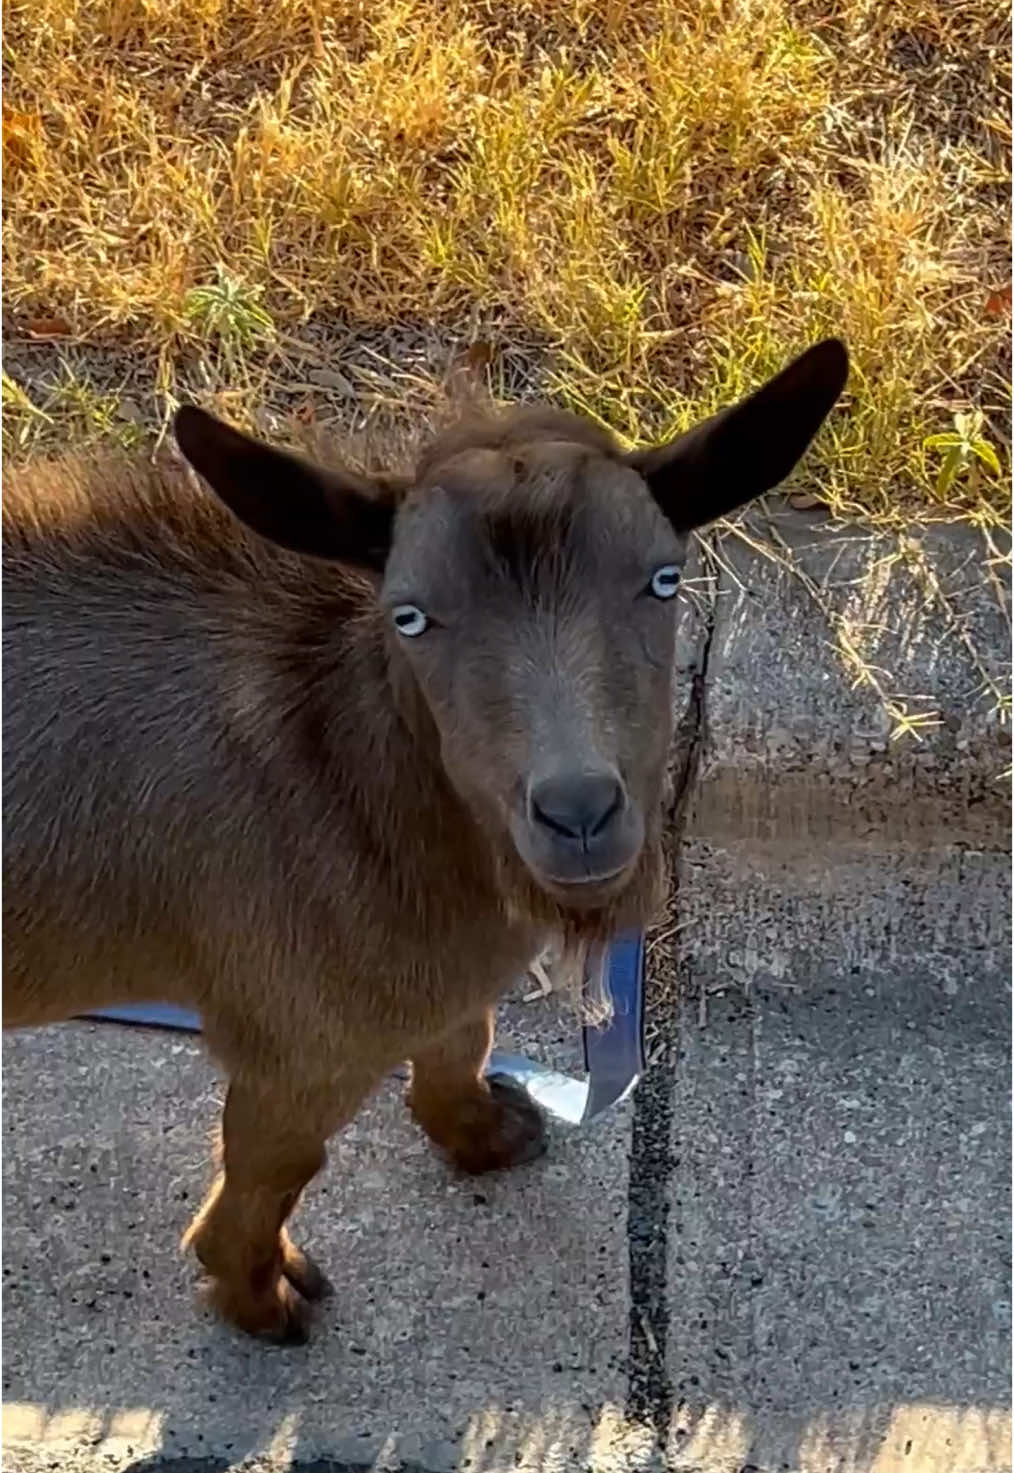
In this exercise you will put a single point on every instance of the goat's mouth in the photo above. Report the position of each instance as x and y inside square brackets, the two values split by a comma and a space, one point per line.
[578, 881]
[587, 892]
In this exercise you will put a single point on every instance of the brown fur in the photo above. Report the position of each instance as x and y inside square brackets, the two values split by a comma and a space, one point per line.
[231, 784]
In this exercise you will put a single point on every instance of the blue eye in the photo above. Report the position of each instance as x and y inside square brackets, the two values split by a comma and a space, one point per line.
[665, 581]
[409, 620]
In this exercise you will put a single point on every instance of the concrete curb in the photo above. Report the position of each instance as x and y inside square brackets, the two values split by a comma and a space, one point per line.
[820, 641]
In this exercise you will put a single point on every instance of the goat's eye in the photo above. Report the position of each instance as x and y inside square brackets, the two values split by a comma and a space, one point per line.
[409, 620]
[665, 581]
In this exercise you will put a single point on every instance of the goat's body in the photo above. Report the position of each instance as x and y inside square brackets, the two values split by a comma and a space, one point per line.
[184, 822]
[214, 796]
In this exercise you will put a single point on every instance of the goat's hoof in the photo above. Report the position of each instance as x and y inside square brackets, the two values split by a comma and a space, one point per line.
[513, 1132]
[292, 1325]
[305, 1275]
[279, 1315]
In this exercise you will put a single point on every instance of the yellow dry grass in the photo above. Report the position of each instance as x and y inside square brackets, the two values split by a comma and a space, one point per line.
[669, 197]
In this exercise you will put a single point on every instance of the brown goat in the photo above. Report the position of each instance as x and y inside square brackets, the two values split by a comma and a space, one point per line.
[333, 777]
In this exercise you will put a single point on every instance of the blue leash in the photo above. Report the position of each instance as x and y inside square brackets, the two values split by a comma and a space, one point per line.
[613, 1053]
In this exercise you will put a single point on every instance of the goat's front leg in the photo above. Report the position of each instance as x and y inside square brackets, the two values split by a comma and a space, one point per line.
[273, 1143]
[483, 1124]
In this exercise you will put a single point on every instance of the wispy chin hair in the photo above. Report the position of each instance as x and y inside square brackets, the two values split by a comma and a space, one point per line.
[572, 963]
[574, 970]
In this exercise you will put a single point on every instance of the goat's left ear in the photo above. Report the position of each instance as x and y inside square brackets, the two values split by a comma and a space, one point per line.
[747, 449]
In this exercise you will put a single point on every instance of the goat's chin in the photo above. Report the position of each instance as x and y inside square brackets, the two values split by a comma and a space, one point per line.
[584, 896]
[590, 912]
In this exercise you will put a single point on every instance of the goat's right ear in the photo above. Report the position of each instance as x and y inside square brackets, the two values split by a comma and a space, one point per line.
[306, 508]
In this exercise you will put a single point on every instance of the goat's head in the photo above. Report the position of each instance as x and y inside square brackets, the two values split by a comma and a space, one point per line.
[527, 573]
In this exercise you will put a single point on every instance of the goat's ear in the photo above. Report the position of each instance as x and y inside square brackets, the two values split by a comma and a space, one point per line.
[306, 508]
[745, 450]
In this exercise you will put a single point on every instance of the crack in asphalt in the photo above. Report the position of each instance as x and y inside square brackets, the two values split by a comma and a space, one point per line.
[650, 1390]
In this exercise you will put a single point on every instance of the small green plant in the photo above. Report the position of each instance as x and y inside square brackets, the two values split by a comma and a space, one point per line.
[73, 410]
[965, 450]
[229, 314]
[22, 417]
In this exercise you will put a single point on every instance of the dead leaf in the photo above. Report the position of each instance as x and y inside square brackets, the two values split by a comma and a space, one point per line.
[804, 500]
[330, 378]
[15, 122]
[998, 303]
[48, 327]
[479, 355]
[20, 133]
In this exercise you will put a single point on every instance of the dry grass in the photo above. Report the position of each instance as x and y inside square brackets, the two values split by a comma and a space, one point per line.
[666, 197]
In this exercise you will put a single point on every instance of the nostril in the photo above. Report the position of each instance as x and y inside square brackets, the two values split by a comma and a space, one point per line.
[611, 805]
[579, 806]
[552, 821]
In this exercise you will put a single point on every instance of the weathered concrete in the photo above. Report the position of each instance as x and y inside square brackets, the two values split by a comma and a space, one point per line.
[839, 1231]
[819, 640]
[474, 1324]
[838, 1209]
[791, 1252]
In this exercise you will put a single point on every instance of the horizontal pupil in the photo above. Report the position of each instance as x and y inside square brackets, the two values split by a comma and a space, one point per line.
[410, 621]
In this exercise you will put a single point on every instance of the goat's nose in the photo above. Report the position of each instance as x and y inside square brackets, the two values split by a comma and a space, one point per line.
[577, 805]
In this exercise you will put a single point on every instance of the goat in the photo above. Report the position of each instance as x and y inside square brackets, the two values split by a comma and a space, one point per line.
[329, 758]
